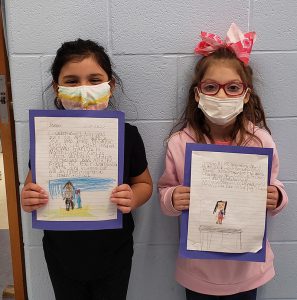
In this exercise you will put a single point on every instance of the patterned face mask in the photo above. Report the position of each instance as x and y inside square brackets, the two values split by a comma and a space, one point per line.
[87, 97]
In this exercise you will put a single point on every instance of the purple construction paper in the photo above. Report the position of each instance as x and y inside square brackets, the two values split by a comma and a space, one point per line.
[78, 225]
[183, 251]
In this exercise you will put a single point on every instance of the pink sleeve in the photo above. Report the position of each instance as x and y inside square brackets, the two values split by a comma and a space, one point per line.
[274, 181]
[166, 185]
[268, 142]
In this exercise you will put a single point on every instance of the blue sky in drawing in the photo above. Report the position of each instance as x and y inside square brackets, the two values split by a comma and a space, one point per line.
[82, 183]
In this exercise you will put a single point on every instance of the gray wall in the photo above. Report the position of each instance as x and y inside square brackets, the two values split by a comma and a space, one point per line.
[151, 44]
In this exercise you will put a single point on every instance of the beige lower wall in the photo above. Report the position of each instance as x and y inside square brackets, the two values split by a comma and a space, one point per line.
[3, 206]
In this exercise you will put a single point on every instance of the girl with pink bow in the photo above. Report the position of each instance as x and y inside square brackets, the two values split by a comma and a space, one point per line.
[223, 108]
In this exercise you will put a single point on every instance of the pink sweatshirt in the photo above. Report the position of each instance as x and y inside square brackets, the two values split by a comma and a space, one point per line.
[215, 277]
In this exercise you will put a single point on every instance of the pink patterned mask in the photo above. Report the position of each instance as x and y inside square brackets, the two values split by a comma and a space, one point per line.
[241, 44]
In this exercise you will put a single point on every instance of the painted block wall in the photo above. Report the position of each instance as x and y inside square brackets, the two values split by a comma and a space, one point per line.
[151, 45]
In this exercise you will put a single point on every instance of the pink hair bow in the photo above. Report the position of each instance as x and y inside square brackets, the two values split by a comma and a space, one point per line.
[241, 44]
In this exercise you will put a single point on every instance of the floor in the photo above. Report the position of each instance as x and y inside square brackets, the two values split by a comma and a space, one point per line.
[6, 277]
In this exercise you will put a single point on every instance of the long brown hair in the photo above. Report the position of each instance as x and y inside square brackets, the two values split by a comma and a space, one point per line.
[252, 111]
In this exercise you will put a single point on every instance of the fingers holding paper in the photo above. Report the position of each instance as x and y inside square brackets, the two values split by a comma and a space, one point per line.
[272, 197]
[122, 196]
[33, 197]
[181, 198]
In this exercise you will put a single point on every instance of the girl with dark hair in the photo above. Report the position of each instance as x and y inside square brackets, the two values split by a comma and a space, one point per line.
[83, 79]
[220, 209]
[223, 108]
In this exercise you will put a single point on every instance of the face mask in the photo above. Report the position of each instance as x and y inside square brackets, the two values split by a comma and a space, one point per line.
[92, 97]
[220, 111]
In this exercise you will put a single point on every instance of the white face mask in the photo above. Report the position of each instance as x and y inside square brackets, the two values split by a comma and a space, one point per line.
[221, 111]
[92, 97]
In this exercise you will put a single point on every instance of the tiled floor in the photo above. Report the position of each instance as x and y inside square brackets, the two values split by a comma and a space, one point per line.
[5, 256]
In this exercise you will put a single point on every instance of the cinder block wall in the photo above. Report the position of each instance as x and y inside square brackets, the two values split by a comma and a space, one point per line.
[151, 44]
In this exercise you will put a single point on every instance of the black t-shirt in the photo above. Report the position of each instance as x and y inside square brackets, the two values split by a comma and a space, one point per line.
[86, 255]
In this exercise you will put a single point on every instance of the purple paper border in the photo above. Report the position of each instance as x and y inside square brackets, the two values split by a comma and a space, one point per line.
[78, 225]
[247, 256]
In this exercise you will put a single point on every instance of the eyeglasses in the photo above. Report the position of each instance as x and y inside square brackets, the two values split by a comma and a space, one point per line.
[232, 88]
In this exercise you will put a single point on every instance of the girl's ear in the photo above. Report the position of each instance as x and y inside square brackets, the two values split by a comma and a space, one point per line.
[247, 96]
[112, 84]
[197, 98]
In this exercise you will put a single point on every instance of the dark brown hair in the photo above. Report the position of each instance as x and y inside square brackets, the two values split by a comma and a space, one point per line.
[252, 111]
[217, 204]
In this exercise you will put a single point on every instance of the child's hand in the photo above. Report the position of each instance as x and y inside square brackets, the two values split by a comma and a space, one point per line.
[272, 197]
[122, 196]
[33, 197]
[181, 198]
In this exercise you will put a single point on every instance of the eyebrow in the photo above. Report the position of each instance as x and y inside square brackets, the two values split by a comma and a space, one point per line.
[96, 74]
[75, 76]
[69, 76]
[212, 80]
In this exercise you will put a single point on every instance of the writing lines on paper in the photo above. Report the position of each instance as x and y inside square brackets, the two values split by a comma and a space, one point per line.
[77, 164]
[87, 151]
[243, 174]
[227, 201]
